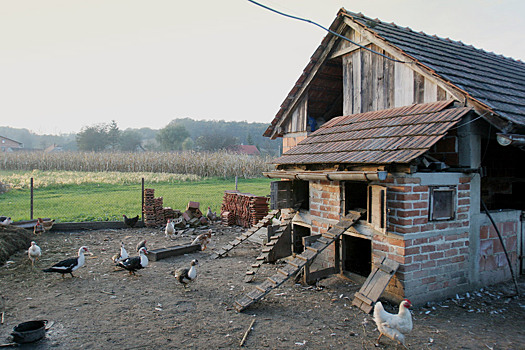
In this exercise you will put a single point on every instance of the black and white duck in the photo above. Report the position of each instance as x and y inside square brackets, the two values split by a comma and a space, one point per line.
[135, 263]
[71, 264]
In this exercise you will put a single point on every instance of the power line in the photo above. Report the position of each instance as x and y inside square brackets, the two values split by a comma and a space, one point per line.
[324, 28]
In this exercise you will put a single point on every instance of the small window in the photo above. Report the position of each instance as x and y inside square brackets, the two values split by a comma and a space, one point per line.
[442, 203]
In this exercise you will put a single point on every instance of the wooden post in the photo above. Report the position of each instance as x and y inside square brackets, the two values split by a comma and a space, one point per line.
[236, 178]
[142, 195]
[31, 215]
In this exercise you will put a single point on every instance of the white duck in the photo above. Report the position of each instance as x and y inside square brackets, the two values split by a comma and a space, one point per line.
[4, 221]
[121, 256]
[34, 253]
[185, 275]
[170, 228]
[71, 264]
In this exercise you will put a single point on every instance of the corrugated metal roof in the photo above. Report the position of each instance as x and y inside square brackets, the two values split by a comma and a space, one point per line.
[396, 135]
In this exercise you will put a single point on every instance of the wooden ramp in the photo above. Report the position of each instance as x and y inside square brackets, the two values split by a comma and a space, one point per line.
[221, 252]
[278, 247]
[297, 263]
[375, 284]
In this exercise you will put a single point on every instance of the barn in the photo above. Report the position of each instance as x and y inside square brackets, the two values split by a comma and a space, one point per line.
[426, 134]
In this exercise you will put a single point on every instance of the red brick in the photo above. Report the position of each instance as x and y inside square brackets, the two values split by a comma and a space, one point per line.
[428, 248]
[380, 246]
[465, 201]
[412, 251]
[442, 225]
[428, 264]
[420, 221]
[405, 229]
[428, 280]
[408, 180]
[419, 241]
[408, 197]
[420, 189]
[420, 205]
[464, 180]
[400, 205]
[464, 187]
[407, 213]
[436, 255]
[420, 257]
[315, 213]
[451, 252]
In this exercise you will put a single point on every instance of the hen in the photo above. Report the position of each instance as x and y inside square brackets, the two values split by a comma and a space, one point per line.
[393, 326]
[185, 275]
[170, 228]
[210, 215]
[203, 239]
[34, 253]
[130, 222]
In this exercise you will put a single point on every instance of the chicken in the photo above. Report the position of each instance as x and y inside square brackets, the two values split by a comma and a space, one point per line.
[46, 224]
[203, 239]
[170, 228]
[393, 326]
[39, 228]
[121, 255]
[135, 263]
[34, 253]
[141, 244]
[211, 216]
[185, 275]
[4, 221]
[130, 222]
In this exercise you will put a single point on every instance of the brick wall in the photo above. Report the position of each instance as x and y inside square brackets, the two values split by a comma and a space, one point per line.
[325, 211]
[493, 265]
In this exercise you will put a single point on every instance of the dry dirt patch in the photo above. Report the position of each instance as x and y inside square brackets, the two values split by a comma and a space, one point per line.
[105, 308]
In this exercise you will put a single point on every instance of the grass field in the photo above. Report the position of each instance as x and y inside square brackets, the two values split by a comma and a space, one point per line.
[106, 196]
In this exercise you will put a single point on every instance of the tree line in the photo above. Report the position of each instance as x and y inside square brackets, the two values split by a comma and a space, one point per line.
[178, 135]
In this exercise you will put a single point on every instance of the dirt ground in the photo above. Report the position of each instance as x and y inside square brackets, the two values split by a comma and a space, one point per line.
[105, 308]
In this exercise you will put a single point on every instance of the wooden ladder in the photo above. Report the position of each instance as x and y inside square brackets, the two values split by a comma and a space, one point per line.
[297, 263]
[281, 234]
[221, 252]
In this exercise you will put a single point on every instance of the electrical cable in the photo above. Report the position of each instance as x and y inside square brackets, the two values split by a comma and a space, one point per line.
[324, 28]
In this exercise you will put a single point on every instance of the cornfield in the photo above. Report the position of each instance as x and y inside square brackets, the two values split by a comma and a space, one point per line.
[204, 164]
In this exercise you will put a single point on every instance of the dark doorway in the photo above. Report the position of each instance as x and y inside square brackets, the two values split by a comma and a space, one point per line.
[355, 195]
[357, 255]
[301, 193]
[297, 238]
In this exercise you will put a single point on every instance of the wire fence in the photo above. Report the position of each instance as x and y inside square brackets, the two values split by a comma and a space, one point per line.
[108, 202]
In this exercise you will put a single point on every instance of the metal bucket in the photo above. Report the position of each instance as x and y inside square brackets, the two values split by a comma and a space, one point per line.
[28, 332]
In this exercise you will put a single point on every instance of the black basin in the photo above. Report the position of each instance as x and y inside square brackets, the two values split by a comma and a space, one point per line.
[28, 332]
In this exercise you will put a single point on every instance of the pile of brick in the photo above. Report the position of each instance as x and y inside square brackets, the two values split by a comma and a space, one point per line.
[243, 209]
[155, 214]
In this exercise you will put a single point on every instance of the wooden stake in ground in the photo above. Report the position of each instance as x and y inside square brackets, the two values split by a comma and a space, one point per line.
[2, 321]
[246, 333]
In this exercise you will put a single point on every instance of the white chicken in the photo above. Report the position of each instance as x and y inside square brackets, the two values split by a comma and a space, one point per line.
[120, 256]
[170, 228]
[393, 326]
[34, 253]
[203, 239]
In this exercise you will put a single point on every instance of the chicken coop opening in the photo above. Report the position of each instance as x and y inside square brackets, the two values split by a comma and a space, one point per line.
[297, 238]
[356, 255]
[301, 190]
[355, 195]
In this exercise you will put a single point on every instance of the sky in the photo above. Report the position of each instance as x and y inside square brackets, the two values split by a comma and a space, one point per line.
[69, 64]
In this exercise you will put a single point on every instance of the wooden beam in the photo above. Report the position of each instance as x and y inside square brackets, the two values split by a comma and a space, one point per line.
[349, 49]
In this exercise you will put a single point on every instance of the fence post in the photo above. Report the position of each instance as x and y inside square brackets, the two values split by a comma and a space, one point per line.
[236, 178]
[142, 207]
[31, 216]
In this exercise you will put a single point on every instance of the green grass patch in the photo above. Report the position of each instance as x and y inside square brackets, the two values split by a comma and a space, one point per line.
[107, 201]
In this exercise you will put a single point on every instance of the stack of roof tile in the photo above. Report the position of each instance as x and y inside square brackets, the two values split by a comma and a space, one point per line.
[244, 209]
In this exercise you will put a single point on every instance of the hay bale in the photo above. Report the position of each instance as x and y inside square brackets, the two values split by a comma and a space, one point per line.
[13, 239]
